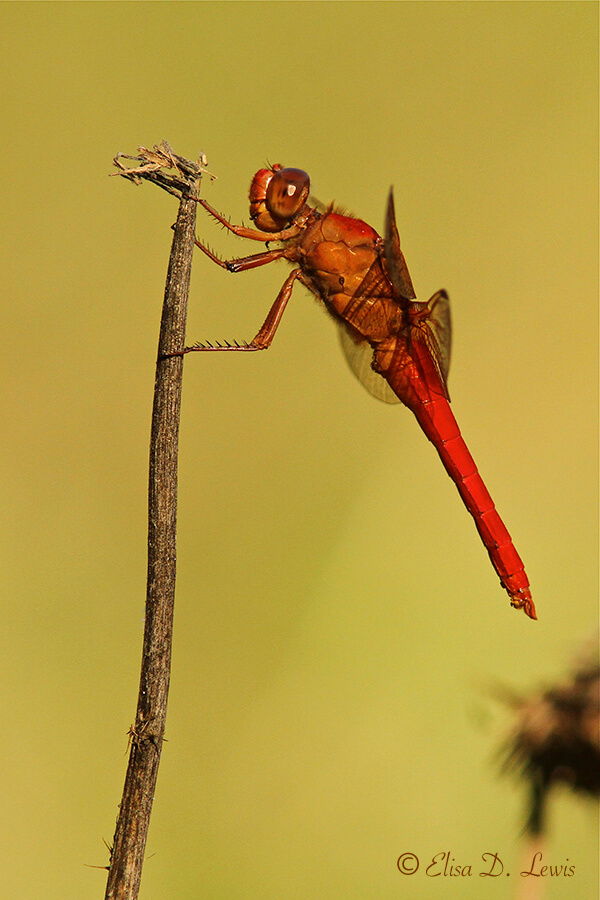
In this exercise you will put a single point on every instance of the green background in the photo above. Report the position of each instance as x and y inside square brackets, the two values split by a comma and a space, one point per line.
[338, 623]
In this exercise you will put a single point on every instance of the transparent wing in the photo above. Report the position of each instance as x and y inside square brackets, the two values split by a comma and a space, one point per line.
[432, 319]
[438, 334]
[360, 355]
[394, 258]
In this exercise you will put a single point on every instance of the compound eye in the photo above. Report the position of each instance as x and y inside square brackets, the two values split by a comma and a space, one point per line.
[287, 192]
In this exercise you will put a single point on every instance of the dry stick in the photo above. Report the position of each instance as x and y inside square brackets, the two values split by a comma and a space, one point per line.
[146, 735]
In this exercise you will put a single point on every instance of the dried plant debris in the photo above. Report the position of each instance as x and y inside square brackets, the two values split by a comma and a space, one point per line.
[556, 739]
[162, 156]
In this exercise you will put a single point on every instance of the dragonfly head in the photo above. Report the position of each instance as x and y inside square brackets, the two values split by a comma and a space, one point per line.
[276, 195]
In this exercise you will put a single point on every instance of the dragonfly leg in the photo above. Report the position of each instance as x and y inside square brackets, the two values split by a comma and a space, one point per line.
[252, 233]
[245, 262]
[265, 335]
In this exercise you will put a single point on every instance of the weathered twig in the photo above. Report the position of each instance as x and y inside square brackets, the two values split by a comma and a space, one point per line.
[146, 736]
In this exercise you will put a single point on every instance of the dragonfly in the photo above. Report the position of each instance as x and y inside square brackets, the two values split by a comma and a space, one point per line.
[398, 347]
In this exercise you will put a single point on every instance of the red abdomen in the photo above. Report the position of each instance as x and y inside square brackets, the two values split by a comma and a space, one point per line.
[414, 378]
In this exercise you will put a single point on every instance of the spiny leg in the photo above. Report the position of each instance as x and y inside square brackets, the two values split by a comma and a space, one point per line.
[244, 262]
[252, 233]
[265, 335]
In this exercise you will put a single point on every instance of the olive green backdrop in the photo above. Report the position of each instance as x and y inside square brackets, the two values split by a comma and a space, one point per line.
[338, 623]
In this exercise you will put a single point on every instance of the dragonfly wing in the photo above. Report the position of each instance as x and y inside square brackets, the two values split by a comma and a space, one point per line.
[360, 356]
[394, 258]
[438, 334]
[435, 327]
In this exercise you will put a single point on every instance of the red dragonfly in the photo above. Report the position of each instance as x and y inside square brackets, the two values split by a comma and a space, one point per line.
[399, 348]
